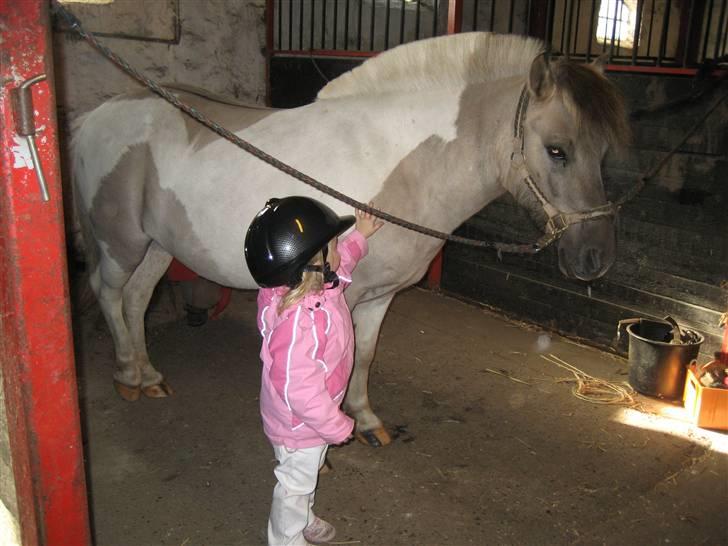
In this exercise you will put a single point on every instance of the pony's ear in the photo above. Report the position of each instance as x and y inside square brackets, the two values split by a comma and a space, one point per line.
[540, 78]
[598, 63]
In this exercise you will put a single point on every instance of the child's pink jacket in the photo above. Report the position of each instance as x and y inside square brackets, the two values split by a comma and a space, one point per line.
[308, 354]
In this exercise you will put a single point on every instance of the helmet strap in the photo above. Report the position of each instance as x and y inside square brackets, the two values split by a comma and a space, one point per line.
[330, 277]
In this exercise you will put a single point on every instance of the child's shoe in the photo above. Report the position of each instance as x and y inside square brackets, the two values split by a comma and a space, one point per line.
[319, 531]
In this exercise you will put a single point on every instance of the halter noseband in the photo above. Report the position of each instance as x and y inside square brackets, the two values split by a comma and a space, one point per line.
[558, 221]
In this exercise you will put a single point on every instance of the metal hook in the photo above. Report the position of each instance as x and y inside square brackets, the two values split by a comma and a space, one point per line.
[25, 126]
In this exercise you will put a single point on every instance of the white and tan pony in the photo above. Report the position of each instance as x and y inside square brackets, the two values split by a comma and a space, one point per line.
[425, 131]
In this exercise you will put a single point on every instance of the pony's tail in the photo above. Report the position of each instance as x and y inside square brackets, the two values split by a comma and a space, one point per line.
[79, 230]
[76, 231]
[78, 242]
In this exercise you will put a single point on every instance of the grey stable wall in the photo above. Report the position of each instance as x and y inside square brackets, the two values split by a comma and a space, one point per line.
[673, 237]
[217, 45]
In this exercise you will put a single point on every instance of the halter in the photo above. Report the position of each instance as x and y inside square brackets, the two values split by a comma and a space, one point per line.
[558, 221]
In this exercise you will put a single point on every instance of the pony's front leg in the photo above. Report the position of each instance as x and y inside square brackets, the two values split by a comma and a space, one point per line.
[137, 294]
[367, 317]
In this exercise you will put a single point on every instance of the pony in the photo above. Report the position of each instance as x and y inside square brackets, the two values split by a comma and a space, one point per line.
[431, 131]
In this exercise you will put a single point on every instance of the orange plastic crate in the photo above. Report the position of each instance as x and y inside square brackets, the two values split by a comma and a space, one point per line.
[706, 406]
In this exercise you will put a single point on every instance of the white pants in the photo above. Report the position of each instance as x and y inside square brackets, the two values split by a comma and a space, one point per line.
[291, 511]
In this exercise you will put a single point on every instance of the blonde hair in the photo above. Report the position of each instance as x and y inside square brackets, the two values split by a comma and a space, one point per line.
[311, 281]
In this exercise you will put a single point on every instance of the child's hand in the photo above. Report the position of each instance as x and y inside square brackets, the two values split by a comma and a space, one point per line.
[367, 224]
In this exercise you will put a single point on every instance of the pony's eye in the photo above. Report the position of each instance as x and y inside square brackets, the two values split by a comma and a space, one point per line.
[556, 153]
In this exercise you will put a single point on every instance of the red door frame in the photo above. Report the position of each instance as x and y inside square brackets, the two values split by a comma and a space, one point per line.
[36, 352]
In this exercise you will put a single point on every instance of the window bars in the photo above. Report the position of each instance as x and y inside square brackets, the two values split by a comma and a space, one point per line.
[640, 33]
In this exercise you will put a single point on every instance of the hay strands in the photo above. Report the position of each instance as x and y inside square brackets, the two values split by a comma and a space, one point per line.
[592, 389]
[506, 373]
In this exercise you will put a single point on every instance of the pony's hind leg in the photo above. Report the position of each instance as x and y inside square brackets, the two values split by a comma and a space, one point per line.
[368, 318]
[107, 281]
[136, 295]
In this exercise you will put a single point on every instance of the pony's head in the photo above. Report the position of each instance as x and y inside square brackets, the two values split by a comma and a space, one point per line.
[573, 116]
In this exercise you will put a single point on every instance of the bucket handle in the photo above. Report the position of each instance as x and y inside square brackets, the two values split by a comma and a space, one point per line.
[676, 332]
[622, 325]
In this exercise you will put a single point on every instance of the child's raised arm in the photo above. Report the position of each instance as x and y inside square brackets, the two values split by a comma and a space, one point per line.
[367, 224]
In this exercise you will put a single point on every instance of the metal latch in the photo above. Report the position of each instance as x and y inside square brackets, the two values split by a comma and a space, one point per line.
[24, 115]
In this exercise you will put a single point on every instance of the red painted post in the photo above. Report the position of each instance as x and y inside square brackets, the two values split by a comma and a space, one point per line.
[434, 274]
[454, 16]
[36, 352]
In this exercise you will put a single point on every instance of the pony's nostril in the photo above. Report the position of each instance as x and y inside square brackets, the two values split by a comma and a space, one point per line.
[592, 260]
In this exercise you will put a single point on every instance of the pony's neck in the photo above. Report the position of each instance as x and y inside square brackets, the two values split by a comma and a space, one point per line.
[473, 167]
[441, 183]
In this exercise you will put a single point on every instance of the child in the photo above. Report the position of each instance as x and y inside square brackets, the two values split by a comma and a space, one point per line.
[308, 348]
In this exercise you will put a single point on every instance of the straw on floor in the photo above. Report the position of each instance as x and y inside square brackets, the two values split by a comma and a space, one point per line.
[592, 389]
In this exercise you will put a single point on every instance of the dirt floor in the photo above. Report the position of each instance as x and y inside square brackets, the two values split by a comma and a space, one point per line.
[479, 457]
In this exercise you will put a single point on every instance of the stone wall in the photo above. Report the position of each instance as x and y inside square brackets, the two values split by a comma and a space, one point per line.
[217, 45]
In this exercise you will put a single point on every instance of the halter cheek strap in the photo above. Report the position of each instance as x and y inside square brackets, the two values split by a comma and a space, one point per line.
[558, 221]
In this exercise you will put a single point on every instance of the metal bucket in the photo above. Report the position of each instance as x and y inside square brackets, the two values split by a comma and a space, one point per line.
[659, 354]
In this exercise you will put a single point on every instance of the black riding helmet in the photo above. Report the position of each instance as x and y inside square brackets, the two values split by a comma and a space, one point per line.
[286, 235]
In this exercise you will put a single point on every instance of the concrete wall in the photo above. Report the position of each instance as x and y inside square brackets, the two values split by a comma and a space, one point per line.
[217, 45]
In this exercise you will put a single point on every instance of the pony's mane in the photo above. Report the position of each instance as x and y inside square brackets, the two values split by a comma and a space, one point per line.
[442, 62]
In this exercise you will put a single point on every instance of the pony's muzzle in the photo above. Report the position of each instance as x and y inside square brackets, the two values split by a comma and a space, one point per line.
[587, 250]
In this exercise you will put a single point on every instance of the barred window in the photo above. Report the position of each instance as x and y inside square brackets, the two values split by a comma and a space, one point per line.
[616, 22]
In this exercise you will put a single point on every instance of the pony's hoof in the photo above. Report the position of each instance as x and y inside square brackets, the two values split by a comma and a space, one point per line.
[130, 394]
[377, 437]
[161, 390]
